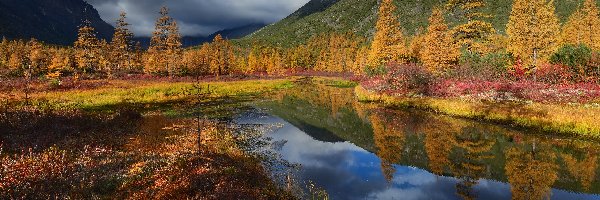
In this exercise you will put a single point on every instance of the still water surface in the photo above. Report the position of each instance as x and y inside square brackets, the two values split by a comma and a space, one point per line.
[362, 151]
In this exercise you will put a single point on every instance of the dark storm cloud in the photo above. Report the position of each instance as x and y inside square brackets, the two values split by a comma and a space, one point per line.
[197, 17]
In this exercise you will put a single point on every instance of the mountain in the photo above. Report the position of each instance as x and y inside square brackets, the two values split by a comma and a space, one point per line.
[238, 32]
[186, 41]
[359, 16]
[51, 21]
[189, 41]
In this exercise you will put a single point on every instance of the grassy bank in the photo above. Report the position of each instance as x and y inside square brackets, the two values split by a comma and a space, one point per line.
[564, 119]
[147, 92]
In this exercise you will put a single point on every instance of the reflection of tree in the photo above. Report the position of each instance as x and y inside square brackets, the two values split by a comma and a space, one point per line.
[584, 171]
[474, 145]
[439, 141]
[531, 171]
[389, 140]
[320, 95]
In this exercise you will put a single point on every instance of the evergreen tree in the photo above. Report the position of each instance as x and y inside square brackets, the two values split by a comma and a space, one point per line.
[440, 51]
[388, 42]
[533, 31]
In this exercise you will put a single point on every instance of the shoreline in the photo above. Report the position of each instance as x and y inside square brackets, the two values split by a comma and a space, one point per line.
[555, 119]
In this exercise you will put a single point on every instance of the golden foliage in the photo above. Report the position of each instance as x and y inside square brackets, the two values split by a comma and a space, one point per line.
[87, 49]
[583, 26]
[388, 43]
[440, 52]
[533, 30]
[584, 170]
[165, 46]
[221, 56]
[389, 140]
[475, 29]
[532, 172]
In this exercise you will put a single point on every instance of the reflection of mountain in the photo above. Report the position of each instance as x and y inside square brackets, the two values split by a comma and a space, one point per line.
[466, 150]
[322, 120]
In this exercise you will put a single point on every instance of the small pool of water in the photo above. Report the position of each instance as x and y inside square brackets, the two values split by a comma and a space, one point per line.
[361, 151]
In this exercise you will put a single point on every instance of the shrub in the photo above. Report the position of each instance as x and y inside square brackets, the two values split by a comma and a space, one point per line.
[553, 74]
[576, 57]
[409, 79]
[374, 71]
[485, 67]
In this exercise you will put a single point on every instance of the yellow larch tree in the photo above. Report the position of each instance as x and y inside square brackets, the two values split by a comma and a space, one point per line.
[583, 26]
[388, 42]
[476, 29]
[533, 31]
[221, 56]
[274, 63]
[164, 45]
[440, 52]
[37, 57]
[121, 45]
[86, 48]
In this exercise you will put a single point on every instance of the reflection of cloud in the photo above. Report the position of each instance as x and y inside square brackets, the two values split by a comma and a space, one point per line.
[411, 183]
[349, 172]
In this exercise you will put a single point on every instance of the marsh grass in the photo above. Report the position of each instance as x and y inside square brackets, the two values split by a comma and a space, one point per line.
[562, 119]
[135, 140]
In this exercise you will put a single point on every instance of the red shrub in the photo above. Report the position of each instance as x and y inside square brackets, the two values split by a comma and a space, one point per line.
[553, 74]
[408, 79]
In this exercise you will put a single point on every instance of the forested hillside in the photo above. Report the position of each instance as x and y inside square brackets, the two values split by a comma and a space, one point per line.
[359, 16]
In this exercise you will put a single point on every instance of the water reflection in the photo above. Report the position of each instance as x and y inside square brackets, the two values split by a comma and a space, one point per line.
[388, 154]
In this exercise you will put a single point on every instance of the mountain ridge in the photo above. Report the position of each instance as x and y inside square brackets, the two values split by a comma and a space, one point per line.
[50, 21]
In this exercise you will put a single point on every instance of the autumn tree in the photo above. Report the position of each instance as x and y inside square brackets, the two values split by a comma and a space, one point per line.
[174, 49]
[361, 60]
[533, 30]
[388, 42]
[254, 62]
[274, 63]
[62, 60]
[474, 29]
[440, 52]
[37, 57]
[86, 48]
[221, 59]
[583, 26]
[196, 61]
[122, 45]
[165, 46]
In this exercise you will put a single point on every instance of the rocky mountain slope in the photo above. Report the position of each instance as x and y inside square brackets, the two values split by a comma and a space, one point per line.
[51, 21]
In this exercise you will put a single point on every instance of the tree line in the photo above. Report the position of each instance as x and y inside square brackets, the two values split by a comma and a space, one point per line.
[534, 38]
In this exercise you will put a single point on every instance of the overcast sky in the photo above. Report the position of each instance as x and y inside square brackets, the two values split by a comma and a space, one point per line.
[197, 17]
